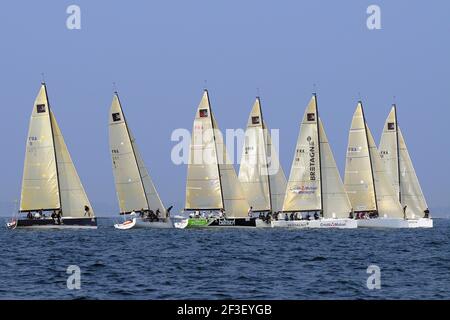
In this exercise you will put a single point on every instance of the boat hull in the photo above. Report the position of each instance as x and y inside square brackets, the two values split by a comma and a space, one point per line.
[142, 223]
[263, 223]
[193, 223]
[316, 224]
[420, 223]
[388, 223]
[66, 223]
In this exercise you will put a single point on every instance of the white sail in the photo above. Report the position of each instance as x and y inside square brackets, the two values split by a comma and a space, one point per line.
[388, 150]
[73, 196]
[134, 187]
[358, 179]
[129, 187]
[40, 188]
[153, 199]
[410, 190]
[260, 172]
[212, 182]
[203, 189]
[235, 203]
[303, 188]
[399, 168]
[277, 178]
[387, 201]
[366, 182]
[335, 200]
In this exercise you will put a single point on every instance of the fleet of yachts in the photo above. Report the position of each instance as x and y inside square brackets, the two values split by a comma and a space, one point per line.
[380, 187]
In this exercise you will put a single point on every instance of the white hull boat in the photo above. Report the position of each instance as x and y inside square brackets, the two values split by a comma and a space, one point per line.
[139, 223]
[316, 224]
[389, 223]
[420, 223]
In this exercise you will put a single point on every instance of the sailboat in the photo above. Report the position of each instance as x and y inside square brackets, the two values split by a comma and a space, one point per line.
[315, 195]
[260, 173]
[369, 189]
[135, 190]
[52, 195]
[399, 167]
[214, 196]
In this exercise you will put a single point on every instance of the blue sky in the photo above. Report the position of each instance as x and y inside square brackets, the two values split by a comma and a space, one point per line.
[161, 52]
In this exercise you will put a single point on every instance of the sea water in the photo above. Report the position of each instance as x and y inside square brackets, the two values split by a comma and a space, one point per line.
[225, 263]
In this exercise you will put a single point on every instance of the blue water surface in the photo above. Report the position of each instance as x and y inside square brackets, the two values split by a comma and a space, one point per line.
[225, 263]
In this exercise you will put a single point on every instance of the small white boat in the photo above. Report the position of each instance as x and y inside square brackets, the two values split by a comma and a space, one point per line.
[126, 225]
[367, 181]
[314, 185]
[400, 169]
[139, 223]
[260, 173]
[135, 189]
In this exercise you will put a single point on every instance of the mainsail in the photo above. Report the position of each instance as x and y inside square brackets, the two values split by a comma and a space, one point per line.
[50, 180]
[134, 187]
[399, 167]
[260, 172]
[303, 191]
[212, 183]
[314, 183]
[366, 182]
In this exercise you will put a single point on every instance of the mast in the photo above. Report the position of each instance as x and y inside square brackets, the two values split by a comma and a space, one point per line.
[320, 153]
[265, 153]
[398, 154]
[54, 145]
[132, 148]
[215, 145]
[370, 156]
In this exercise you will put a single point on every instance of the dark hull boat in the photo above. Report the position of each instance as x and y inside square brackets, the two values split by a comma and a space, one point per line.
[50, 184]
[48, 223]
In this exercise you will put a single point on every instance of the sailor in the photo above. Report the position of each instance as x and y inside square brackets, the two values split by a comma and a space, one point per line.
[286, 218]
[316, 216]
[29, 215]
[157, 214]
[87, 211]
[250, 212]
[222, 213]
[197, 214]
[307, 216]
[58, 216]
[168, 211]
[292, 216]
[38, 214]
[350, 215]
[404, 211]
[426, 213]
